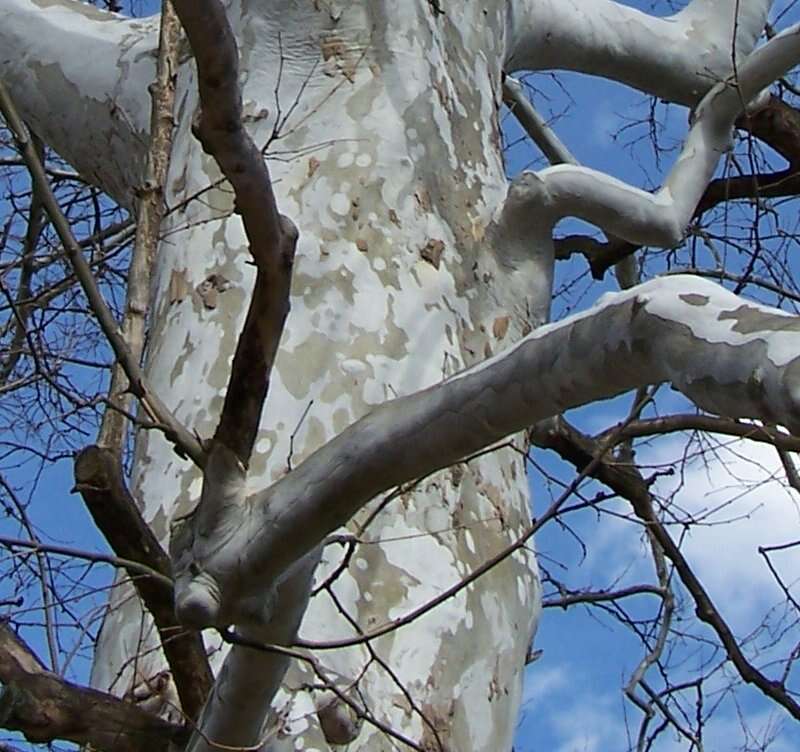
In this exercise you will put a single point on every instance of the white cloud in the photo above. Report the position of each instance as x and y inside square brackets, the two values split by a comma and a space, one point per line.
[740, 503]
[592, 726]
[541, 684]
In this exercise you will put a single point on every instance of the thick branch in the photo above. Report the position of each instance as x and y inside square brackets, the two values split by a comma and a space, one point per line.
[46, 708]
[727, 355]
[774, 122]
[92, 68]
[272, 610]
[658, 219]
[98, 477]
[240, 701]
[778, 124]
[676, 58]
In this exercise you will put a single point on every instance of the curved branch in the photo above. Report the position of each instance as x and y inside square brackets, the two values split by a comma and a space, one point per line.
[92, 68]
[709, 424]
[272, 237]
[728, 355]
[677, 58]
[658, 219]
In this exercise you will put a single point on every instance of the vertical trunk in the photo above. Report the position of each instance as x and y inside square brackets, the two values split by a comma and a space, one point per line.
[387, 158]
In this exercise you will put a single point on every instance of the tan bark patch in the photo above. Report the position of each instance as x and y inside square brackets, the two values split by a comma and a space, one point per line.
[500, 326]
[432, 252]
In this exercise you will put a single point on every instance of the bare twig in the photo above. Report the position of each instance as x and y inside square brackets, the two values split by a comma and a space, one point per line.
[584, 453]
[134, 568]
[184, 441]
[712, 424]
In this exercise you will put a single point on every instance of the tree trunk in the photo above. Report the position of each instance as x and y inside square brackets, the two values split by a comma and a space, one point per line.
[388, 159]
[380, 123]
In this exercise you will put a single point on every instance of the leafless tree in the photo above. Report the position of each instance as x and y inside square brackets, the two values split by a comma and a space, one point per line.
[274, 293]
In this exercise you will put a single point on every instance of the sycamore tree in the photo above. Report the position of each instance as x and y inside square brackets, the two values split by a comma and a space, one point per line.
[334, 349]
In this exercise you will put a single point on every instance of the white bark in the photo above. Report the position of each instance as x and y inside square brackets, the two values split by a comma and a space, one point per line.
[661, 218]
[728, 355]
[407, 271]
[378, 174]
[677, 58]
[80, 79]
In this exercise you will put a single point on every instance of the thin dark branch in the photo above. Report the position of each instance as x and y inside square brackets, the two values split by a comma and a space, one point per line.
[99, 478]
[183, 440]
[272, 237]
[583, 452]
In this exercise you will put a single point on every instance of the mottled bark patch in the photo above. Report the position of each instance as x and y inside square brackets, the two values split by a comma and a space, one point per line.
[694, 299]
[751, 320]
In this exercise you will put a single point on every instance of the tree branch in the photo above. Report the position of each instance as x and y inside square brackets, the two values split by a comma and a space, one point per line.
[185, 443]
[626, 481]
[44, 65]
[240, 699]
[677, 58]
[774, 122]
[46, 708]
[272, 236]
[534, 124]
[149, 213]
[710, 424]
[630, 213]
[727, 355]
[99, 478]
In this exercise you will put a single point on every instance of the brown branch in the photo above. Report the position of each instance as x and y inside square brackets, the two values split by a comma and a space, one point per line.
[45, 707]
[272, 237]
[185, 443]
[709, 423]
[149, 213]
[99, 478]
[777, 124]
[762, 185]
[600, 596]
[582, 452]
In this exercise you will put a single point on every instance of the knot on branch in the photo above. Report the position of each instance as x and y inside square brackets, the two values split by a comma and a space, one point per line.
[198, 601]
[339, 721]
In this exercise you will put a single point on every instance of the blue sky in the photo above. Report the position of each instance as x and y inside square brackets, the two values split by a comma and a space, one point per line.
[573, 701]
[573, 698]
